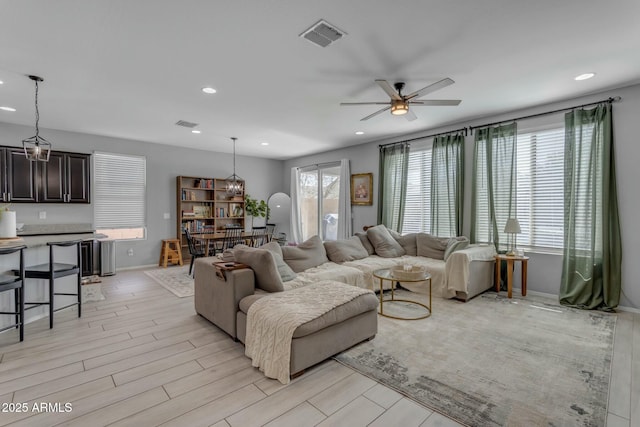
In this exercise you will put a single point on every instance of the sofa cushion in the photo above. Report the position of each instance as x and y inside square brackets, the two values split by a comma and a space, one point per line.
[455, 244]
[409, 243]
[263, 264]
[307, 254]
[286, 273]
[385, 245]
[431, 246]
[366, 243]
[345, 250]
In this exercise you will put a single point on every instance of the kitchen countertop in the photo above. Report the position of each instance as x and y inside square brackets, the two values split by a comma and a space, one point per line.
[55, 229]
[42, 240]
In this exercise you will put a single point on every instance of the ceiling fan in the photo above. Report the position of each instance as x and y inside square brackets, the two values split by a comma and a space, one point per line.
[399, 103]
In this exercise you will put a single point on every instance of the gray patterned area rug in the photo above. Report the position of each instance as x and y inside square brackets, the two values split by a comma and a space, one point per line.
[175, 279]
[495, 361]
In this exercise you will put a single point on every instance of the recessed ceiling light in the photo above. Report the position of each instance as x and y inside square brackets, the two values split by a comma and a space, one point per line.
[195, 131]
[1, 82]
[585, 76]
[359, 132]
[8, 109]
[264, 143]
[209, 90]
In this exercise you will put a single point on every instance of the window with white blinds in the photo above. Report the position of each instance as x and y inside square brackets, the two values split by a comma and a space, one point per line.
[120, 194]
[540, 188]
[417, 212]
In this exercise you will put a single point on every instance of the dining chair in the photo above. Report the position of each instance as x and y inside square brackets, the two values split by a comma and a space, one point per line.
[232, 237]
[196, 249]
[259, 237]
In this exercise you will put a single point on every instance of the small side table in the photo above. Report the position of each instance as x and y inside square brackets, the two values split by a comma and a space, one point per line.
[510, 260]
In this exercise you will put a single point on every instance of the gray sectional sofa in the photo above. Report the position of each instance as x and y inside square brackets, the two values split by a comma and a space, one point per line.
[457, 269]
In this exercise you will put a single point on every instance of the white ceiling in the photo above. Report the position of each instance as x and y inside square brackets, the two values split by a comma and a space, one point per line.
[131, 69]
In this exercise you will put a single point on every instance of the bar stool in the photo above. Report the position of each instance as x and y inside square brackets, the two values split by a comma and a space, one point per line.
[170, 252]
[15, 282]
[54, 270]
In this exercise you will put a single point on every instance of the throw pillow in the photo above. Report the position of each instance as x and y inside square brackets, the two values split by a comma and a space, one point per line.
[455, 244]
[408, 242]
[263, 264]
[385, 245]
[431, 246]
[345, 250]
[366, 243]
[286, 273]
[308, 254]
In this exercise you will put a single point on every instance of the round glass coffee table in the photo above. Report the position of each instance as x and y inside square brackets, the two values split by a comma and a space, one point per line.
[387, 274]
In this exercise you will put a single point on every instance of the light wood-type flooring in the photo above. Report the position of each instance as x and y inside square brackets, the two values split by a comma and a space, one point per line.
[142, 357]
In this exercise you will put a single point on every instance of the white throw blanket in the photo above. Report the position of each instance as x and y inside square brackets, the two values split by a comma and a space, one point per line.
[272, 320]
[457, 269]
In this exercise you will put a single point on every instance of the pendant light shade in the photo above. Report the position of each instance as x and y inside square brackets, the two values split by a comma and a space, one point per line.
[36, 148]
[235, 184]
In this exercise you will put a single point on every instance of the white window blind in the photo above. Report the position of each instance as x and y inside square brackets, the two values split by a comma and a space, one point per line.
[540, 188]
[417, 212]
[120, 192]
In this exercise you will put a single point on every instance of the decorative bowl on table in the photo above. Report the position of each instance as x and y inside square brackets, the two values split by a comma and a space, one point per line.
[408, 272]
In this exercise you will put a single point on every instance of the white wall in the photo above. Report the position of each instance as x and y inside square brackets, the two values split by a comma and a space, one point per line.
[544, 269]
[263, 177]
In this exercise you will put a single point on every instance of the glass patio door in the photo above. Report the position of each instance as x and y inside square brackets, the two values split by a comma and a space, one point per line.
[319, 197]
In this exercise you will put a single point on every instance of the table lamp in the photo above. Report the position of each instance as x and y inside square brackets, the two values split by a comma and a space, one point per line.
[512, 227]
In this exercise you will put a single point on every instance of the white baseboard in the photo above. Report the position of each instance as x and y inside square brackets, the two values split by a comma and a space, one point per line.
[136, 267]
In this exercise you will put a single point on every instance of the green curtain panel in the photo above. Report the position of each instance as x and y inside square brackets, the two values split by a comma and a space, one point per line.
[493, 197]
[447, 185]
[392, 188]
[591, 268]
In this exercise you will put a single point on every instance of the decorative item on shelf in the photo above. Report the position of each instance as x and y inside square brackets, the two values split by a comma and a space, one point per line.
[7, 223]
[255, 208]
[234, 186]
[36, 148]
[236, 211]
[361, 189]
[408, 272]
[512, 228]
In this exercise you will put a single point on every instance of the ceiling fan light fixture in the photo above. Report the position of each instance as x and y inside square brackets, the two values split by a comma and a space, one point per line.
[399, 108]
[36, 148]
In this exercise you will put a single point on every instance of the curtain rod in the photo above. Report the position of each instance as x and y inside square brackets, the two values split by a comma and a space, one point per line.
[426, 136]
[608, 100]
[317, 165]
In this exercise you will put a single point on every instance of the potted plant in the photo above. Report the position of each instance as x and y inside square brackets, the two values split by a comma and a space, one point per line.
[255, 208]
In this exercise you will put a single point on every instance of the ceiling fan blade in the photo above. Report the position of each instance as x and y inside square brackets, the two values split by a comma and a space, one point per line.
[436, 102]
[431, 88]
[389, 89]
[376, 113]
[364, 103]
[410, 116]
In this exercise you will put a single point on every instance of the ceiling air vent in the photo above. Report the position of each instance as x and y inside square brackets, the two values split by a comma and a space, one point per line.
[186, 124]
[323, 34]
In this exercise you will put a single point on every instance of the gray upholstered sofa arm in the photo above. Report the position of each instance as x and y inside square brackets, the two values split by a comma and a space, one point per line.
[217, 299]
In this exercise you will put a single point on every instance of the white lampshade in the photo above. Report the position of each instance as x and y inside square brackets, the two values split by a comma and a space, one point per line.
[513, 226]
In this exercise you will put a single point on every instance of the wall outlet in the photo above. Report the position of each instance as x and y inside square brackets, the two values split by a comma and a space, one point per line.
[130, 252]
[42, 214]
[167, 215]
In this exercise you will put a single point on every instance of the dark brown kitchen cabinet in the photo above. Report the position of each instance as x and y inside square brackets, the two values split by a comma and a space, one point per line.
[65, 178]
[20, 175]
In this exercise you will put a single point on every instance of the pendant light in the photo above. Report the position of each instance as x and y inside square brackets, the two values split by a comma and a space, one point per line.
[37, 148]
[234, 182]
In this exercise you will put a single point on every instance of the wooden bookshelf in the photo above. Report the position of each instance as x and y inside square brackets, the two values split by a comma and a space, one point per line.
[203, 206]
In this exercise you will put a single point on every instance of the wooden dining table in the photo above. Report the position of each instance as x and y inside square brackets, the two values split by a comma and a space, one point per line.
[212, 237]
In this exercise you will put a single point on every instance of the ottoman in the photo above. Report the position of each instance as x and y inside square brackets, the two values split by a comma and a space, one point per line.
[324, 336]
